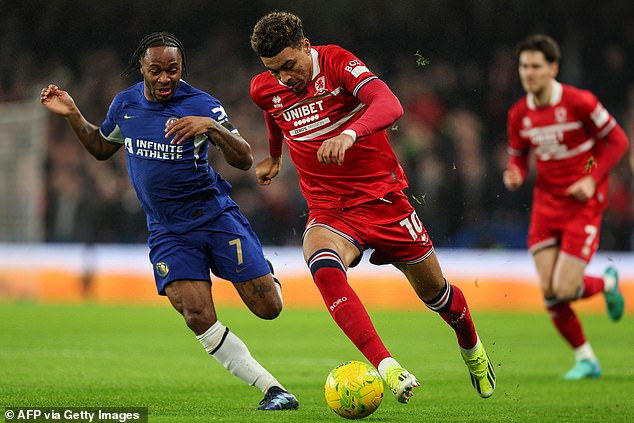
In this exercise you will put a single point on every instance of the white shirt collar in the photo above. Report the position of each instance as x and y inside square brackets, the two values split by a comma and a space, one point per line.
[555, 96]
[316, 68]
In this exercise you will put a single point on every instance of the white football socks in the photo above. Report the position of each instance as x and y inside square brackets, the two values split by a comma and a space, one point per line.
[233, 354]
[471, 351]
[609, 283]
[385, 363]
[585, 352]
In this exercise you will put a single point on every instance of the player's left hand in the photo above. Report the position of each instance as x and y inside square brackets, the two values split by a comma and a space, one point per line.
[187, 127]
[58, 101]
[583, 189]
[333, 150]
[268, 169]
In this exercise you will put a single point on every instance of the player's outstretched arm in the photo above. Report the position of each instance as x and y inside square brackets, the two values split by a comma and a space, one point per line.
[61, 103]
[235, 149]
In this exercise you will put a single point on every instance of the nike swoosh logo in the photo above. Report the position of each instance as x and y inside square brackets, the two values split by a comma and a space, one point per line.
[128, 117]
[238, 270]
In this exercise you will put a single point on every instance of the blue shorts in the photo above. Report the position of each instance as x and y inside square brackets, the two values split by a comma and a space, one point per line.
[227, 246]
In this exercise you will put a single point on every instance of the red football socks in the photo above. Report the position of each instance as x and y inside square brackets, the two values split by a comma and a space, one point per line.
[344, 305]
[592, 285]
[567, 323]
[452, 307]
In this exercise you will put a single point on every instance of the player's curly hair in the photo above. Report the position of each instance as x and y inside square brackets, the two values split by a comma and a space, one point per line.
[154, 39]
[275, 31]
[540, 42]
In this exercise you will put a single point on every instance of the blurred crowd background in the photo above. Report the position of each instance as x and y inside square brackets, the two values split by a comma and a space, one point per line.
[451, 140]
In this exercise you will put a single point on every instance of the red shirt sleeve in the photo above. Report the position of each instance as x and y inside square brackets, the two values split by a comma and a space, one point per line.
[518, 149]
[608, 151]
[611, 140]
[383, 108]
[276, 137]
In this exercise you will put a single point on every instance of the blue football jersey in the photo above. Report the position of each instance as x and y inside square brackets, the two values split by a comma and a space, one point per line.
[177, 188]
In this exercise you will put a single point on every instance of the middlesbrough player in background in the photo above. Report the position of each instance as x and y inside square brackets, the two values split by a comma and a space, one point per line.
[333, 111]
[575, 142]
[193, 223]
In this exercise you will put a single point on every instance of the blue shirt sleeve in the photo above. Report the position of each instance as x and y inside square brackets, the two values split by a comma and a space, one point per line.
[109, 128]
[219, 113]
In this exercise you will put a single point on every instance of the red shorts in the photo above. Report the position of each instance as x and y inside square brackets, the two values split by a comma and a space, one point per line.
[575, 229]
[389, 226]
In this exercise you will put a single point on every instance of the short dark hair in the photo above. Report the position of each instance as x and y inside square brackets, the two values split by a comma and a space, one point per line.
[275, 31]
[543, 43]
[155, 39]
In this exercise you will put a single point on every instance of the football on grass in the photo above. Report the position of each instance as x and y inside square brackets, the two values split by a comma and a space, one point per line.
[354, 389]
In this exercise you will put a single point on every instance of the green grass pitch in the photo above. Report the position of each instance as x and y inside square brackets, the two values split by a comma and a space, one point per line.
[142, 356]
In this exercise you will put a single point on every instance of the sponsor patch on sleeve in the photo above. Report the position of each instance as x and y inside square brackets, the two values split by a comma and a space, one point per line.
[358, 70]
[600, 116]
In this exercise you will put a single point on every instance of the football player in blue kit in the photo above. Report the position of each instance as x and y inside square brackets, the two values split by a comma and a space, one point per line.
[194, 225]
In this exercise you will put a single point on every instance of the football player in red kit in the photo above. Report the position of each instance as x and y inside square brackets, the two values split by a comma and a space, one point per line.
[333, 111]
[575, 142]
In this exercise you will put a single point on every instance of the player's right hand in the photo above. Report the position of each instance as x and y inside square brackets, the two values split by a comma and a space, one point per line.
[333, 150]
[268, 169]
[57, 101]
[583, 189]
[512, 178]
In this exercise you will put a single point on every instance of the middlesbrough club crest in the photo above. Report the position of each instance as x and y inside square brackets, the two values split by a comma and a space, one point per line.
[560, 114]
[320, 85]
[526, 122]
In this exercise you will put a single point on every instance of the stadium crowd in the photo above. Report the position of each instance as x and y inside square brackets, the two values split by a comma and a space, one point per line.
[454, 73]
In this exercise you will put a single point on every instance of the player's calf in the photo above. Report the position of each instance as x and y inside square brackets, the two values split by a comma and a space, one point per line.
[278, 284]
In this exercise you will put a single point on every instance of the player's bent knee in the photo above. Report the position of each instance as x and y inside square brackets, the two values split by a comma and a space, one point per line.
[198, 320]
[268, 310]
[565, 293]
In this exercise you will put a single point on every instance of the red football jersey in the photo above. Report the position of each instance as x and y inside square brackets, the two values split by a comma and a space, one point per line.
[324, 109]
[565, 136]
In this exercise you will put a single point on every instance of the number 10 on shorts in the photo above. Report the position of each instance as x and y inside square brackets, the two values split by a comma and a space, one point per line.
[413, 225]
